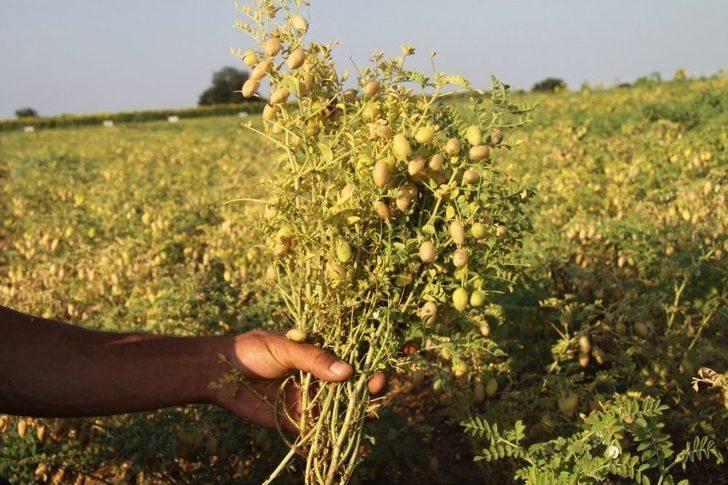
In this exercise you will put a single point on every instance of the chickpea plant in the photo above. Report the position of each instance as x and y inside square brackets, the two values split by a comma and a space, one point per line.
[388, 227]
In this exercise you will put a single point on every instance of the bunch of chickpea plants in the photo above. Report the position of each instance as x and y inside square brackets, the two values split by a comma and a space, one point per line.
[388, 229]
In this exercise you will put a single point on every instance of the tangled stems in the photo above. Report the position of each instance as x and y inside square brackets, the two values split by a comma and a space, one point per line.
[330, 436]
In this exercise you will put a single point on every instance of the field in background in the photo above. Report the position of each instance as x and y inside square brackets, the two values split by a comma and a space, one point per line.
[102, 119]
[136, 228]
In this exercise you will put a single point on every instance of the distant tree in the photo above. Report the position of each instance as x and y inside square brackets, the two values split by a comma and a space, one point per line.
[549, 85]
[26, 113]
[654, 78]
[224, 84]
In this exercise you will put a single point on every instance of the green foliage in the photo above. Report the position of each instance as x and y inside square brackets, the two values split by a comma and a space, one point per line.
[624, 439]
[70, 121]
[549, 85]
[25, 113]
[689, 113]
[225, 89]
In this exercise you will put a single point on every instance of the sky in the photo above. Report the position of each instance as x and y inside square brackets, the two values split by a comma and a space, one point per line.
[81, 56]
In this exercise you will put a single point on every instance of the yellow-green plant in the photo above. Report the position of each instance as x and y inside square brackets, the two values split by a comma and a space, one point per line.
[624, 438]
[387, 222]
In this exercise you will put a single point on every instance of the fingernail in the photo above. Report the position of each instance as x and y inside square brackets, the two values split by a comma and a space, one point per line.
[340, 368]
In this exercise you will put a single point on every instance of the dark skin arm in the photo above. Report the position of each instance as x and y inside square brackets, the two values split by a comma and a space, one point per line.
[52, 369]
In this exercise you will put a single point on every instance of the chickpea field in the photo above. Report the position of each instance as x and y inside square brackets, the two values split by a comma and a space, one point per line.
[617, 309]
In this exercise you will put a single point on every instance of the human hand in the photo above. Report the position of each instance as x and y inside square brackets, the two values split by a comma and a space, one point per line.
[265, 360]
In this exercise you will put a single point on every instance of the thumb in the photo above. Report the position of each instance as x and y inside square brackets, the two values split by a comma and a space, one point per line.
[310, 358]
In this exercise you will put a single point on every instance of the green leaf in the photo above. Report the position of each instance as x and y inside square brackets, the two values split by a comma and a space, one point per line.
[456, 79]
[326, 154]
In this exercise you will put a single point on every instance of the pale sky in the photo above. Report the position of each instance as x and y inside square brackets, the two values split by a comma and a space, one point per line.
[81, 56]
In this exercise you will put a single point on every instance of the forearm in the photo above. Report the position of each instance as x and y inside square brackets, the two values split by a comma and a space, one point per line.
[48, 368]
